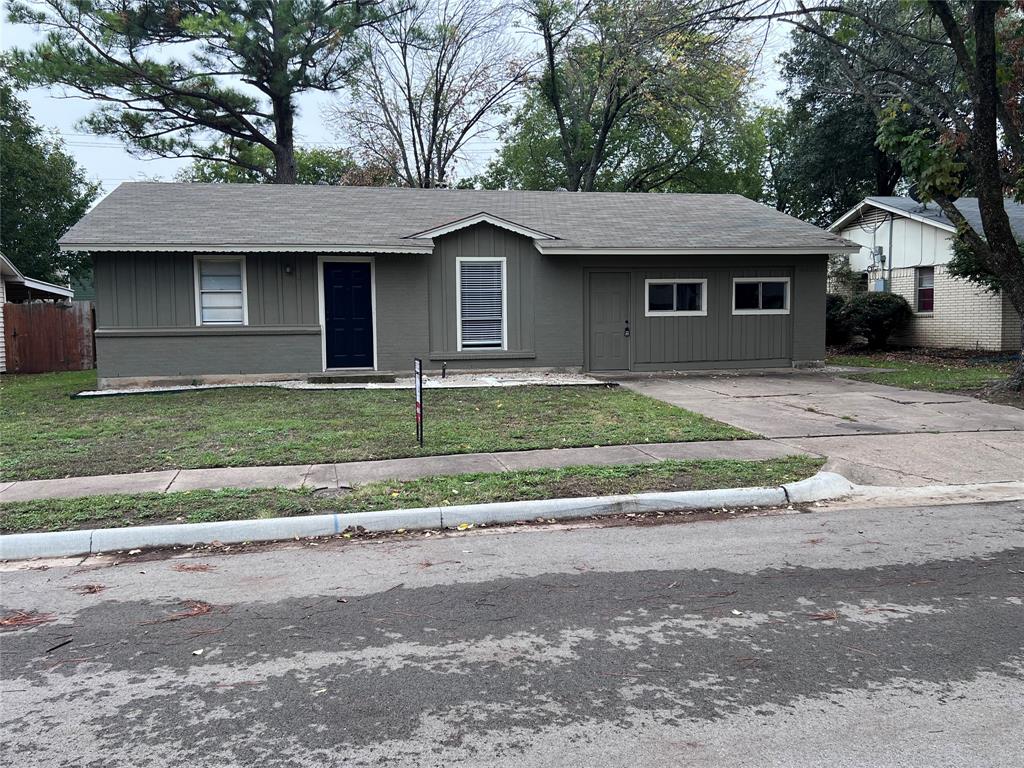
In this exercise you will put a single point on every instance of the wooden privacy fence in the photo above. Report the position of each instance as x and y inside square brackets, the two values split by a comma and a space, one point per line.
[42, 336]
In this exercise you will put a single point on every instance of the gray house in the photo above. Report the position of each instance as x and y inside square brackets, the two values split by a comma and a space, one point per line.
[218, 282]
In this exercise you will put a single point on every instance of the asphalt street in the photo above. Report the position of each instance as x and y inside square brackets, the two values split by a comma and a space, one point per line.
[853, 637]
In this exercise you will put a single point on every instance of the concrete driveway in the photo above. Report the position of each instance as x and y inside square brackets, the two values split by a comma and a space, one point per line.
[872, 433]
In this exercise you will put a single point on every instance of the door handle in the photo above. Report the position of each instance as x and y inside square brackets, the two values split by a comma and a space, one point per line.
[626, 332]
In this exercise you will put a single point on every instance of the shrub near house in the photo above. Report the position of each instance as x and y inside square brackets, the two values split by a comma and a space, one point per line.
[876, 316]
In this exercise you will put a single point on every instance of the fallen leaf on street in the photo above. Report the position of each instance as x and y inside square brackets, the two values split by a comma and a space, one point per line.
[193, 608]
[21, 619]
[88, 589]
[832, 615]
[193, 567]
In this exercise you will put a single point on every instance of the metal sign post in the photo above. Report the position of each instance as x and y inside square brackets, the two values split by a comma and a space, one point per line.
[418, 379]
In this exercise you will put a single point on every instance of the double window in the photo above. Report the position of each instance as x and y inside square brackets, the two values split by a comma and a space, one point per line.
[672, 298]
[220, 291]
[760, 296]
[480, 296]
[925, 281]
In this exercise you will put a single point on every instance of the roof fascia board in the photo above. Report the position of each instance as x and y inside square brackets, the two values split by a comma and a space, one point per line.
[481, 218]
[233, 248]
[697, 251]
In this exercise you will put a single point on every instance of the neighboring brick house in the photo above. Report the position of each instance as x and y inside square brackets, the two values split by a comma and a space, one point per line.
[905, 246]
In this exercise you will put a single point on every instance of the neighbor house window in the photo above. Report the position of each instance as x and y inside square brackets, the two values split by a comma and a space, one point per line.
[676, 297]
[925, 289]
[760, 296]
[480, 284]
[220, 291]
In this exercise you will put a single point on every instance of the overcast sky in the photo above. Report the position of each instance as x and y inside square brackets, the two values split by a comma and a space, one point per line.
[105, 159]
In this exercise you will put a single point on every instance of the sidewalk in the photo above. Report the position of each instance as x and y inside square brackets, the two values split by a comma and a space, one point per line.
[334, 476]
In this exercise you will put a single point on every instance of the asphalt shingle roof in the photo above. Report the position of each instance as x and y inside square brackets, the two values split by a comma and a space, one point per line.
[968, 206]
[154, 214]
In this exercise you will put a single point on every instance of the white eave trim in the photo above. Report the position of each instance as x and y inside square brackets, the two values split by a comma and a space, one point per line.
[11, 274]
[854, 212]
[233, 248]
[482, 218]
[814, 251]
[42, 285]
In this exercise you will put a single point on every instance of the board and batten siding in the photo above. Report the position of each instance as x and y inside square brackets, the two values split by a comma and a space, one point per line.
[157, 290]
[146, 323]
[722, 339]
[146, 318]
[482, 241]
[719, 335]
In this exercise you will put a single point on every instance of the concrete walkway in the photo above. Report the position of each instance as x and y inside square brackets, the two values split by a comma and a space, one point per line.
[334, 476]
[873, 434]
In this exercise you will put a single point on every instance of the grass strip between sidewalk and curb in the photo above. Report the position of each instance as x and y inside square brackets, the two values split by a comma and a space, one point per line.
[47, 434]
[571, 482]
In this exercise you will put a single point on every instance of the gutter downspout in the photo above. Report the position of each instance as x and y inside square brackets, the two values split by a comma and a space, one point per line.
[888, 285]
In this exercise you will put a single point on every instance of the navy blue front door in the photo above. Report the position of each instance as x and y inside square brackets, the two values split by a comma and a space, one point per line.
[348, 314]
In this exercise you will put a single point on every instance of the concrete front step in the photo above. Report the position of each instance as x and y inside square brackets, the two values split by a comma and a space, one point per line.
[355, 377]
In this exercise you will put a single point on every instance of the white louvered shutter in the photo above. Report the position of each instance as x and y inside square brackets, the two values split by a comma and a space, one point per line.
[481, 303]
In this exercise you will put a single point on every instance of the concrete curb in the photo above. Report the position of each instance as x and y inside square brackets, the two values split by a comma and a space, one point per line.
[24, 546]
[824, 485]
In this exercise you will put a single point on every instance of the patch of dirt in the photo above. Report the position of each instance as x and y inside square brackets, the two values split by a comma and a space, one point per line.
[997, 396]
[332, 493]
[959, 358]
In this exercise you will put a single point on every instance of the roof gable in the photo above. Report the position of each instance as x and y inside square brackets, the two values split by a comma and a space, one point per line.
[931, 215]
[481, 218]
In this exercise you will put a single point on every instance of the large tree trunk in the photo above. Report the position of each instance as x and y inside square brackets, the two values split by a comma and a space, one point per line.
[285, 171]
[1016, 380]
[1004, 249]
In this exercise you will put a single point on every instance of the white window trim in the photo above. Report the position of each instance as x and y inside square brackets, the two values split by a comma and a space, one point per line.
[785, 311]
[199, 299]
[702, 282]
[322, 308]
[458, 304]
[917, 291]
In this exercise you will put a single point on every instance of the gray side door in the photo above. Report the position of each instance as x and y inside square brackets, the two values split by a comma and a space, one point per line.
[609, 321]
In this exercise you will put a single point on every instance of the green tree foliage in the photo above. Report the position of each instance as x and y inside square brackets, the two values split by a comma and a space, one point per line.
[312, 166]
[824, 156]
[186, 78]
[43, 193]
[636, 96]
[944, 81]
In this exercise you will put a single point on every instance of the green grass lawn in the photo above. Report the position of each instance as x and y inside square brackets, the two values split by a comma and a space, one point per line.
[936, 374]
[47, 434]
[209, 506]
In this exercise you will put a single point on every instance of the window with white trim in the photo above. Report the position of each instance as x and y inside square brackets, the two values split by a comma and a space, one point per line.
[925, 279]
[220, 291]
[760, 296]
[673, 298]
[481, 303]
